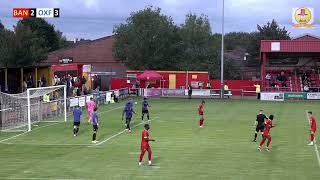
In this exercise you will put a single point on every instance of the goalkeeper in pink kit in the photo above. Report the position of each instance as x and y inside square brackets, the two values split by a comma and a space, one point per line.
[90, 107]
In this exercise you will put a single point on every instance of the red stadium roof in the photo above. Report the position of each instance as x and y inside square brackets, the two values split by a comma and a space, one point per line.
[306, 43]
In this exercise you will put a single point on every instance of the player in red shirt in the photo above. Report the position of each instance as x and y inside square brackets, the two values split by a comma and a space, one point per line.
[145, 144]
[313, 127]
[266, 133]
[201, 111]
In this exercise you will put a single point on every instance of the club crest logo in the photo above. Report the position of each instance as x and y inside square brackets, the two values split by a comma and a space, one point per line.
[302, 17]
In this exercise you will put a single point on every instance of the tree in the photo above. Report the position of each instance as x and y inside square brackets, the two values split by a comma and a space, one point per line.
[28, 47]
[43, 30]
[195, 51]
[31, 41]
[234, 40]
[146, 41]
[6, 46]
[270, 31]
[1, 26]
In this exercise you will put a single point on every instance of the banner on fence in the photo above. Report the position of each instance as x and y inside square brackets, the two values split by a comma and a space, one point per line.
[201, 92]
[295, 95]
[117, 93]
[152, 92]
[74, 102]
[108, 96]
[266, 96]
[313, 96]
[173, 92]
[88, 97]
[82, 101]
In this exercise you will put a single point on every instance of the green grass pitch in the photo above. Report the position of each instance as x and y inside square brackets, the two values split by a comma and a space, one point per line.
[221, 150]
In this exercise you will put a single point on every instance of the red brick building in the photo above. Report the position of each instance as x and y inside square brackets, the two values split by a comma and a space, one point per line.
[97, 53]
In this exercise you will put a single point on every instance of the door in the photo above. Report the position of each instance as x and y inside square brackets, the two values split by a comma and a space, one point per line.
[172, 81]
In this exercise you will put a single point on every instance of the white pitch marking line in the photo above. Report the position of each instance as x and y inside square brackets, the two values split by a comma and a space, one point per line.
[39, 178]
[315, 146]
[37, 144]
[28, 132]
[121, 132]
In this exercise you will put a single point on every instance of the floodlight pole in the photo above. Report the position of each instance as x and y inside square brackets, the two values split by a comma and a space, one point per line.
[222, 52]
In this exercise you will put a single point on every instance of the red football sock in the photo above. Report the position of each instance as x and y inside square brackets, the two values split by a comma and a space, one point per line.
[262, 142]
[149, 154]
[201, 122]
[269, 141]
[311, 137]
[141, 155]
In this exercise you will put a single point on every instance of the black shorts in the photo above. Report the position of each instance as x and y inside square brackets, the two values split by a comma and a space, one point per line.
[259, 128]
[128, 120]
[145, 112]
[76, 123]
[95, 127]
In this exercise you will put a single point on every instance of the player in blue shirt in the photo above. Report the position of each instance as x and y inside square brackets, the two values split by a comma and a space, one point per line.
[76, 120]
[128, 111]
[95, 124]
[145, 108]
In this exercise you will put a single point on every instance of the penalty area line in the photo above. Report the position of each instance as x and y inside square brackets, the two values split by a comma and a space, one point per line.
[43, 144]
[121, 132]
[42, 178]
[315, 146]
[28, 132]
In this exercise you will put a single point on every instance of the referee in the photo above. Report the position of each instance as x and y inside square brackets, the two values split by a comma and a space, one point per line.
[259, 123]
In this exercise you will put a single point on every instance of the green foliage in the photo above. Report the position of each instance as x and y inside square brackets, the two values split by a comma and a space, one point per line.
[28, 47]
[6, 46]
[31, 41]
[194, 45]
[42, 30]
[151, 40]
[270, 31]
[146, 41]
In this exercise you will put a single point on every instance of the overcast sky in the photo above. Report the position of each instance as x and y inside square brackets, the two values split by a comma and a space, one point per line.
[92, 19]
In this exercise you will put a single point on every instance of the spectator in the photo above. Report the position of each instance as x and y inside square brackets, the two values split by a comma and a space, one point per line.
[189, 91]
[137, 84]
[306, 88]
[284, 84]
[279, 77]
[43, 81]
[40, 83]
[114, 97]
[83, 84]
[283, 77]
[97, 89]
[273, 84]
[258, 90]
[25, 85]
[148, 85]
[268, 77]
[208, 85]
[200, 84]
[30, 82]
[56, 80]
[226, 89]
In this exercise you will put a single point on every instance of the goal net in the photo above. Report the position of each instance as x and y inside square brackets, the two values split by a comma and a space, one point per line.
[19, 112]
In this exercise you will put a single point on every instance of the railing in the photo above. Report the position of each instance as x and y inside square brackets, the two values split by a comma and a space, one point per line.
[207, 93]
[278, 89]
[314, 89]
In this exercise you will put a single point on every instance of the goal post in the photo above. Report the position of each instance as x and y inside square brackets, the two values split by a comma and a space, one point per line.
[44, 104]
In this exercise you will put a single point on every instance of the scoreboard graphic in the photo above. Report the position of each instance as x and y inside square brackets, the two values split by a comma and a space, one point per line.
[36, 12]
